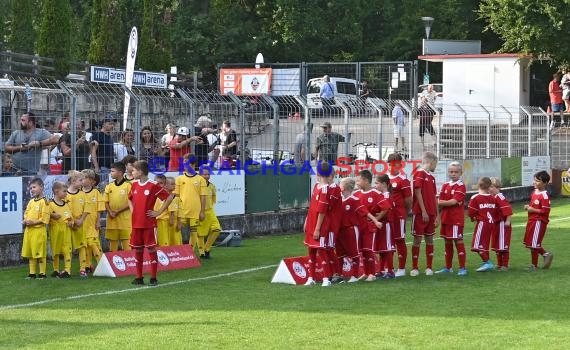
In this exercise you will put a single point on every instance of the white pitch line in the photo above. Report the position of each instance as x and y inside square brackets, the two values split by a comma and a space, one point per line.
[134, 289]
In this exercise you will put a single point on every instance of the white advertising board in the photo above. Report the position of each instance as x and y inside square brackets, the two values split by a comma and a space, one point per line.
[11, 211]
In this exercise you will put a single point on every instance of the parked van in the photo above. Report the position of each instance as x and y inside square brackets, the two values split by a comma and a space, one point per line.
[345, 91]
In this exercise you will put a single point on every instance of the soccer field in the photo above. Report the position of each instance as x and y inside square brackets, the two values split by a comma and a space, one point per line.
[229, 303]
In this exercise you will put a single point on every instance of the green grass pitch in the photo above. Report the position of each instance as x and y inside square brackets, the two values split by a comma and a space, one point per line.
[229, 303]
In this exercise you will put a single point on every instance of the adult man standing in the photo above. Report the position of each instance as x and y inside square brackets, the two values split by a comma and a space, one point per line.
[327, 144]
[327, 92]
[26, 144]
[102, 151]
[556, 101]
[399, 122]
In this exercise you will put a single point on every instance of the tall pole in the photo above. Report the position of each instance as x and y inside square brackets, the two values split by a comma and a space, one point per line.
[428, 21]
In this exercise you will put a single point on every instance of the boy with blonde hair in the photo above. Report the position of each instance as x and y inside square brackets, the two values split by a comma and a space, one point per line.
[501, 237]
[116, 198]
[210, 226]
[76, 199]
[60, 230]
[36, 217]
[93, 205]
[163, 220]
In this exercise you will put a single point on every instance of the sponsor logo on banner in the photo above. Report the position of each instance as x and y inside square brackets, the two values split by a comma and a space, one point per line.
[245, 81]
[162, 258]
[119, 263]
[299, 269]
[108, 75]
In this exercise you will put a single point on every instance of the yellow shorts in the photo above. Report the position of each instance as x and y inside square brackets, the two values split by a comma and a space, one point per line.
[93, 241]
[78, 239]
[34, 245]
[162, 233]
[175, 235]
[113, 234]
[209, 224]
[190, 222]
[60, 238]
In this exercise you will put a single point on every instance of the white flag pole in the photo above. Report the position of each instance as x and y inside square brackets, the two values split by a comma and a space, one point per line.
[130, 71]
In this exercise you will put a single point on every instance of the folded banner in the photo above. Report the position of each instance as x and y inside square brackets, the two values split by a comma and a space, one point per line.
[123, 263]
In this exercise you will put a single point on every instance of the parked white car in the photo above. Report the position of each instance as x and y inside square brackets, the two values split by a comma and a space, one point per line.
[346, 91]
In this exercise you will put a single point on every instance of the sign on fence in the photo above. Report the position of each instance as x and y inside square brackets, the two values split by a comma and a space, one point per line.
[117, 76]
[245, 81]
[11, 205]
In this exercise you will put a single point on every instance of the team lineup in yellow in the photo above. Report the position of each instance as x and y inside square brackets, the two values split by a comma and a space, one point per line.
[72, 219]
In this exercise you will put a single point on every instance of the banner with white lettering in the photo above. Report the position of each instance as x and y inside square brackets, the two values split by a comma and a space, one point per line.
[245, 81]
[11, 211]
[144, 79]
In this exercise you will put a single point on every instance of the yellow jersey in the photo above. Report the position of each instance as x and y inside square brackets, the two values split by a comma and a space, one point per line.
[117, 195]
[93, 200]
[64, 211]
[211, 196]
[38, 209]
[189, 188]
[172, 207]
[76, 203]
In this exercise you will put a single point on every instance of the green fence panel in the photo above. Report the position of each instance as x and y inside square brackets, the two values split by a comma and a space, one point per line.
[511, 171]
[294, 189]
[262, 191]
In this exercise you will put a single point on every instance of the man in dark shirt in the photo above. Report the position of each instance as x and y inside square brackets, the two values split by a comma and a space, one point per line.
[102, 152]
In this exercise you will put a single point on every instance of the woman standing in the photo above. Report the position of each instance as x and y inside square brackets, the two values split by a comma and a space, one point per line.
[149, 147]
[125, 147]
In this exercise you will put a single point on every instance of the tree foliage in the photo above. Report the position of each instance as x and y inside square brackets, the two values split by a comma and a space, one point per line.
[107, 34]
[154, 42]
[530, 26]
[55, 34]
[22, 36]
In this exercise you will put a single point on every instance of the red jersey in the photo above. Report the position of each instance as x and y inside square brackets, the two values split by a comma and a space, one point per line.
[505, 208]
[386, 203]
[539, 200]
[453, 215]
[555, 92]
[426, 183]
[143, 197]
[401, 189]
[176, 155]
[319, 204]
[335, 210]
[353, 212]
[484, 208]
[370, 200]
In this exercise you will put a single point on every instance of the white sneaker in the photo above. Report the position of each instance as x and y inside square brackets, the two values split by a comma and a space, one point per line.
[414, 273]
[370, 278]
[326, 282]
[353, 280]
[310, 282]
[400, 273]
[429, 272]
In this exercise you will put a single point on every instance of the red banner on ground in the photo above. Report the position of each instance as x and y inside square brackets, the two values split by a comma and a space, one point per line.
[123, 263]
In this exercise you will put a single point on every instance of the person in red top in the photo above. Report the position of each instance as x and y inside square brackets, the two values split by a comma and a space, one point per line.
[318, 225]
[501, 237]
[452, 217]
[538, 213]
[370, 198]
[142, 196]
[384, 236]
[353, 218]
[556, 101]
[424, 210]
[401, 193]
[334, 216]
[179, 146]
[483, 210]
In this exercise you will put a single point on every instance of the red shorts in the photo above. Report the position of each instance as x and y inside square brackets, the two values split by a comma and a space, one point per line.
[384, 241]
[368, 242]
[324, 241]
[501, 237]
[421, 228]
[454, 232]
[534, 234]
[143, 237]
[482, 236]
[347, 244]
[398, 228]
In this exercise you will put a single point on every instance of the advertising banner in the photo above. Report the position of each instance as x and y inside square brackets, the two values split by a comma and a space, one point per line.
[11, 202]
[245, 81]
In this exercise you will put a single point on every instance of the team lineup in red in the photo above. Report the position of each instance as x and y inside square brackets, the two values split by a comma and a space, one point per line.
[364, 220]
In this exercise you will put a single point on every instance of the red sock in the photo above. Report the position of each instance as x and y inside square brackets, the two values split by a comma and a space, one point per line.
[534, 257]
[415, 256]
[355, 267]
[499, 259]
[312, 261]
[429, 255]
[334, 265]
[139, 257]
[382, 264]
[460, 246]
[505, 259]
[448, 254]
[484, 256]
[540, 250]
[390, 262]
[368, 262]
[402, 253]
[323, 254]
[153, 264]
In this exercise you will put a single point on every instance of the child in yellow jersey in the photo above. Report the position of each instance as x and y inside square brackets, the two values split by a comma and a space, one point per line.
[116, 199]
[60, 225]
[92, 225]
[162, 221]
[210, 226]
[36, 217]
[191, 188]
[129, 162]
[76, 199]
[174, 233]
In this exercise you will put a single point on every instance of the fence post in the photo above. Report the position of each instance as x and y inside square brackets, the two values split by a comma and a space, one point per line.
[35, 63]
[380, 141]
[548, 131]
[346, 129]
[510, 132]
[488, 132]
[464, 136]
[73, 120]
[308, 126]
[275, 110]
[410, 109]
[529, 130]
[137, 123]
[241, 113]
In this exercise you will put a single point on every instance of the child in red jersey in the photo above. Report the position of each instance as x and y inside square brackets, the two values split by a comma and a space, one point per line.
[142, 197]
[483, 210]
[353, 218]
[452, 217]
[424, 209]
[401, 193]
[538, 213]
[370, 198]
[501, 237]
[317, 226]
[384, 236]
[334, 215]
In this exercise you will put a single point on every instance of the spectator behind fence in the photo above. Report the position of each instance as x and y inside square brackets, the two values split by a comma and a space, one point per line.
[61, 124]
[327, 92]
[149, 147]
[26, 144]
[327, 144]
[166, 139]
[102, 152]
[399, 123]
[203, 130]
[81, 148]
[8, 168]
[228, 140]
[125, 146]
[300, 150]
[556, 101]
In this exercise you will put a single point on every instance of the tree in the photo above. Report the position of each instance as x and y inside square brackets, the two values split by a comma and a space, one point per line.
[106, 46]
[55, 34]
[22, 35]
[530, 26]
[155, 52]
